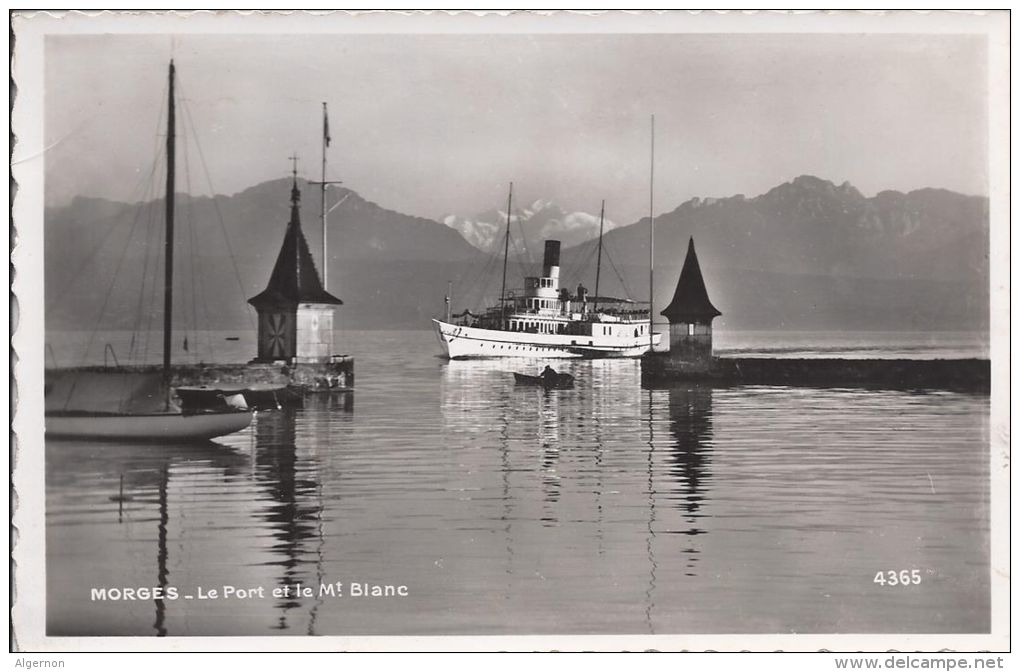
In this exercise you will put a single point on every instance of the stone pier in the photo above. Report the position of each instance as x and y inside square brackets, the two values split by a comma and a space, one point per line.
[964, 375]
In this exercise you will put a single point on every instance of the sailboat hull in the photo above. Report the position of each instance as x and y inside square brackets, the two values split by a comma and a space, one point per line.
[147, 428]
[460, 342]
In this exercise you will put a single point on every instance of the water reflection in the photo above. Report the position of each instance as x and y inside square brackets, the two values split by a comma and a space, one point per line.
[653, 566]
[292, 447]
[690, 425]
[549, 437]
[162, 553]
[125, 483]
[512, 510]
[294, 511]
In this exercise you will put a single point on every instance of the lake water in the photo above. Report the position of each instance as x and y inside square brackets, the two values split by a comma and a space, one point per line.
[504, 510]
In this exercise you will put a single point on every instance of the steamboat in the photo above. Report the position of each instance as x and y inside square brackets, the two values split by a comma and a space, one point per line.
[549, 321]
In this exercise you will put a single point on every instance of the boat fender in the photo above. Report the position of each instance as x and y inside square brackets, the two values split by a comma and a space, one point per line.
[236, 401]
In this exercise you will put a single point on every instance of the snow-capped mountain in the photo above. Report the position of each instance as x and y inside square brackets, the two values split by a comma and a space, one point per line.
[530, 226]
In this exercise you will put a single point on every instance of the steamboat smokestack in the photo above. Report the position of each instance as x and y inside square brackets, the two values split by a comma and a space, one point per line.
[551, 263]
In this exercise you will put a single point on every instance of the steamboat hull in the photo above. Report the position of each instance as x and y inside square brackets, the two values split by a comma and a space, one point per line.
[460, 342]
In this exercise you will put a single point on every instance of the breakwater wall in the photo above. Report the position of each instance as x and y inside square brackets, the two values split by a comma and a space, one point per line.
[968, 375]
[297, 378]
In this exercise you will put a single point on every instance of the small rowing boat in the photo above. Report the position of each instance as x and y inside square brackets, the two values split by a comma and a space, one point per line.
[556, 381]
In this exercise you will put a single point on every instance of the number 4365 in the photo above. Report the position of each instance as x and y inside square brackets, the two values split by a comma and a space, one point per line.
[904, 577]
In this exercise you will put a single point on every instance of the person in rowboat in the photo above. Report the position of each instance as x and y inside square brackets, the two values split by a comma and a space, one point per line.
[548, 374]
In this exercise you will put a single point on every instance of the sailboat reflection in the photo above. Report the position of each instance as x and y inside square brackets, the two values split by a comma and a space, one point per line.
[140, 475]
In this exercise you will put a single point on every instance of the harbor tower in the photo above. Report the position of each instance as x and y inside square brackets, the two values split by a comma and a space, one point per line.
[295, 312]
[690, 315]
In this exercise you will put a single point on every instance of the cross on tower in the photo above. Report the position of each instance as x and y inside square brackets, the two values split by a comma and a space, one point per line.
[295, 160]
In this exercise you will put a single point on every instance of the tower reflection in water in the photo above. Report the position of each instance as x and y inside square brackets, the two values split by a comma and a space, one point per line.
[690, 428]
[291, 453]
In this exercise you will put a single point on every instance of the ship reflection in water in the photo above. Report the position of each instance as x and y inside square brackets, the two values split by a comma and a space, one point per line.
[504, 509]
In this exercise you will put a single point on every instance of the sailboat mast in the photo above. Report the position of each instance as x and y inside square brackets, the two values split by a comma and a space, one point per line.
[598, 264]
[168, 280]
[325, 143]
[506, 254]
[651, 245]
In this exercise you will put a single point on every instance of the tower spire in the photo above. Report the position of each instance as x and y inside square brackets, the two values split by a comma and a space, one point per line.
[295, 194]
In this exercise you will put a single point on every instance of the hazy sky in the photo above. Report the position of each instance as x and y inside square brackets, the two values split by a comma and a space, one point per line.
[437, 124]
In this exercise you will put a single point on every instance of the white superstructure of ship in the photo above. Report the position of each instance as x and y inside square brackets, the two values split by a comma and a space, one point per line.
[549, 321]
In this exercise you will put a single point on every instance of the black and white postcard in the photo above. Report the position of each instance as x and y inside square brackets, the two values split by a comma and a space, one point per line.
[510, 330]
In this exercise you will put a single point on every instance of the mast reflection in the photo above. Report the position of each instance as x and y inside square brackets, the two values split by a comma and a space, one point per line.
[145, 475]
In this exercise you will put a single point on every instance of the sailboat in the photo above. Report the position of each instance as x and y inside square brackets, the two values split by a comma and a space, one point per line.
[136, 403]
[548, 321]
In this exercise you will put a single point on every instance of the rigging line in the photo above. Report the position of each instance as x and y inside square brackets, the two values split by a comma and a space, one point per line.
[156, 269]
[482, 281]
[491, 260]
[159, 151]
[581, 261]
[475, 278]
[580, 264]
[486, 280]
[140, 308]
[144, 185]
[203, 293]
[75, 277]
[141, 292]
[189, 218]
[487, 295]
[525, 262]
[623, 283]
[524, 237]
[198, 279]
[109, 289]
[138, 193]
[219, 214]
[590, 256]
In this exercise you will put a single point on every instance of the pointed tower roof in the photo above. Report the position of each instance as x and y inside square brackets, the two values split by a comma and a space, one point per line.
[294, 279]
[690, 300]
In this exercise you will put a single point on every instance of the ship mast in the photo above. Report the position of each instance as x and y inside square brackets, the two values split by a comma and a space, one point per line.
[449, 299]
[598, 264]
[168, 280]
[506, 253]
[322, 185]
[651, 245]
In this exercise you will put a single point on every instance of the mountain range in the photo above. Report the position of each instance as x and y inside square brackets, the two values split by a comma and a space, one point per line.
[530, 227]
[806, 255]
[810, 254]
